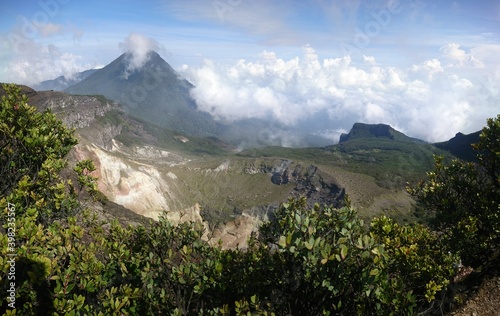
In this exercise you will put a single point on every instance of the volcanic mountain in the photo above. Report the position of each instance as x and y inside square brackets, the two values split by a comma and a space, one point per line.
[153, 92]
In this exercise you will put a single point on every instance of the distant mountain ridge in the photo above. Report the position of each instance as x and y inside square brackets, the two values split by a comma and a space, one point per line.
[362, 130]
[63, 82]
[460, 145]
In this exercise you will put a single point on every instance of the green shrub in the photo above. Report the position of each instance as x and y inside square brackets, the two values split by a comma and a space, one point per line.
[326, 262]
[464, 200]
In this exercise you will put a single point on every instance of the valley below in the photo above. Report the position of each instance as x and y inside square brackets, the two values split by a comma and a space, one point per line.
[156, 172]
[231, 195]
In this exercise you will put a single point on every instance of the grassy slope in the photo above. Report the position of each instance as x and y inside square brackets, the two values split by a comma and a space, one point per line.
[391, 163]
[374, 171]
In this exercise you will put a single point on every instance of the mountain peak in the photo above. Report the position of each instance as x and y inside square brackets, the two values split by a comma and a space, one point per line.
[129, 63]
[461, 145]
[150, 90]
[363, 130]
[150, 56]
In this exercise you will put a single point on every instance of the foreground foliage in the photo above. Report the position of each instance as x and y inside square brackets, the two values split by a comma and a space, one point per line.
[305, 261]
[463, 200]
[313, 262]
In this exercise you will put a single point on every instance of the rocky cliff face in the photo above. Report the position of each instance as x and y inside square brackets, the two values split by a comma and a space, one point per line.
[75, 111]
[368, 130]
[139, 188]
[94, 117]
[307, 180]
[384, 131]
[152, 191]
[123, 178]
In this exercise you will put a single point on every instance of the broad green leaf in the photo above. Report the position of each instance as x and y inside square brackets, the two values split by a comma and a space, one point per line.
[282, 242]
[309, 244]
[374, 271]
[343, 251]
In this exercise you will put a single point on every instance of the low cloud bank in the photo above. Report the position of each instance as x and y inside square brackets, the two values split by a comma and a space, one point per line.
[431, 100]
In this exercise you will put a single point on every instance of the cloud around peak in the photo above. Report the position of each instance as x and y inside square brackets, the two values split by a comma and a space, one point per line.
[137, 46]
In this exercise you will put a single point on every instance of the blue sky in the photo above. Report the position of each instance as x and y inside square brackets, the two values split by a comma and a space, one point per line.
[429, 68]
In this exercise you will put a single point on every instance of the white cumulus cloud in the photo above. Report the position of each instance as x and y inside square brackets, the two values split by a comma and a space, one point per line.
[28, 58]
[427, 100]
[458, 57]
[38, 62]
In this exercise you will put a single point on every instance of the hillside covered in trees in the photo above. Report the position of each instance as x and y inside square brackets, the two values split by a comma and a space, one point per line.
[59, 257]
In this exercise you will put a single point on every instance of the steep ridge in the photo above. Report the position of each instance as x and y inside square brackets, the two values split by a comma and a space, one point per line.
[461, 145]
